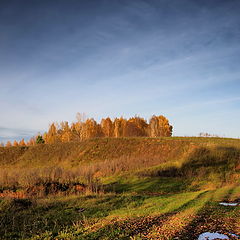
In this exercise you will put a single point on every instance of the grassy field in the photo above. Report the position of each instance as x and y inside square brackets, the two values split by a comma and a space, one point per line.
[134, 188]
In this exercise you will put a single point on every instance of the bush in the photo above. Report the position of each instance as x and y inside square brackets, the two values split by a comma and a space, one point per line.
[40, 140]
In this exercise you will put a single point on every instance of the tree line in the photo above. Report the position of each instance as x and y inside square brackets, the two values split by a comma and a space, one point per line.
[86, 128]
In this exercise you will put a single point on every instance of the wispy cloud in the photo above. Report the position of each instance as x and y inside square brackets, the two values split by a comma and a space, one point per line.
[112, 58]
[15, 134]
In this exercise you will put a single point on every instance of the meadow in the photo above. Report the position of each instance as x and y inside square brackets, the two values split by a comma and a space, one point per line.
[121, 188]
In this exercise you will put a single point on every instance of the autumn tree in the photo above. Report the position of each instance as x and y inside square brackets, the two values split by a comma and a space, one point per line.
[32, 141]
[66, 134]
[92, 129]
[8, 144]
[119, 125]
[135, 127]
[78, 129]
[88, 128]
[107, 127]
[22, 143]
[75, 131]
[159, 127]
[15, 143]
[51, 136]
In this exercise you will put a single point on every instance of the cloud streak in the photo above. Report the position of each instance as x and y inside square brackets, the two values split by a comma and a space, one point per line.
[15, 134]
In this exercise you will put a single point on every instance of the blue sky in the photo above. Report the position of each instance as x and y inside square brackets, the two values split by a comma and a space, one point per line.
[114, 57]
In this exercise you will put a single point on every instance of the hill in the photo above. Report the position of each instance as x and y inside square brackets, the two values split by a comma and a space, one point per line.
[108, 156]
[120, 188]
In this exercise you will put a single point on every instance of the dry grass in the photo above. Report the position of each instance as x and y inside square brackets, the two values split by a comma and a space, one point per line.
[90, 161]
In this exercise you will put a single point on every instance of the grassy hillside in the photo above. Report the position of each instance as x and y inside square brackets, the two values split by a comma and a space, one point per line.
[130, 188]
[104, 157]
[100, 149]
[75, 153]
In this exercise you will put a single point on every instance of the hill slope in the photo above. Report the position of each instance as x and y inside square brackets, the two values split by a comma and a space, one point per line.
[134, 188]
[101, 149]
[168, 157]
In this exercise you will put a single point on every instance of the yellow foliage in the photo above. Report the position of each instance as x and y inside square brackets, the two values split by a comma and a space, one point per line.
[158, 126]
